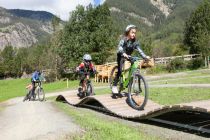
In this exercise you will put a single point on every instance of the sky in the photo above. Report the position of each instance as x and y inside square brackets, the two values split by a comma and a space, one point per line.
[60, 8]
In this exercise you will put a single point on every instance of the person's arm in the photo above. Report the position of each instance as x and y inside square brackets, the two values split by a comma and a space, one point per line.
[120, 47]
[34, 77]
[138, 48]
[92, 68]
[80, 67]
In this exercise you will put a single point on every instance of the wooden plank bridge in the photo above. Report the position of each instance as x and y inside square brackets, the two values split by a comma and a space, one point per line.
[120, 108]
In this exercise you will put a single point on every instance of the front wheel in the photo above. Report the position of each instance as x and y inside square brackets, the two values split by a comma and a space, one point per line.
[27, 96]
[138, 92]
[89, 91]
[41, 94]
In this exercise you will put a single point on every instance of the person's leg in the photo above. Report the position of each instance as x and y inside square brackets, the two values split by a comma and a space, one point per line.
[80, 89]
[33, 89]
[81, 83]
[120, 62]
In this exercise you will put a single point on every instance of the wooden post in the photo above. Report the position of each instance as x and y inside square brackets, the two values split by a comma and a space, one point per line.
[205, 62]
[67, 83]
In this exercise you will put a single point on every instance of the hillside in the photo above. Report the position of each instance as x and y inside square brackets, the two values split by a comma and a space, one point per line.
[23, 28]
[157, 19]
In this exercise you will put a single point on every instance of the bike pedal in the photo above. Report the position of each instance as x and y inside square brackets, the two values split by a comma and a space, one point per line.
[114, 96]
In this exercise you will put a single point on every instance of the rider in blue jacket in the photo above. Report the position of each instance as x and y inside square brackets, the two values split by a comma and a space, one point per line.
[35, 79]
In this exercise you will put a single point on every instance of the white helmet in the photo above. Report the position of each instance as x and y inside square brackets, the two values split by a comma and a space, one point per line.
[87, 57]
[129, 27]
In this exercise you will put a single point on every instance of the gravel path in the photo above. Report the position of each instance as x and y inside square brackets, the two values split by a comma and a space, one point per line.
[34, 120]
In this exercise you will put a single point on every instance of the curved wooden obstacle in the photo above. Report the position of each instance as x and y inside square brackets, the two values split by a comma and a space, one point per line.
[121, 108]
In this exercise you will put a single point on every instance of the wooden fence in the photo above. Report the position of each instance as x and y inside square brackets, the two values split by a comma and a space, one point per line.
[166, 60]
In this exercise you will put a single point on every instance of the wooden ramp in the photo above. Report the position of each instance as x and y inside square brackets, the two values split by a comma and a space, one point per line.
[121, 108]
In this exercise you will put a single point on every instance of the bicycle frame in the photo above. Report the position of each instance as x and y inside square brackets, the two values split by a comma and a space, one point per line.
[132, 68]
[38, 84]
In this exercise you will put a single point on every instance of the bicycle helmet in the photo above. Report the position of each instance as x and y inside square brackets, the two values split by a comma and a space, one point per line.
[129, 27]
[87, 57]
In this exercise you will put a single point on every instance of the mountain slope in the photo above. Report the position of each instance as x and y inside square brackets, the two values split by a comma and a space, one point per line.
[36, 15]
[161, 17]
[24, 28]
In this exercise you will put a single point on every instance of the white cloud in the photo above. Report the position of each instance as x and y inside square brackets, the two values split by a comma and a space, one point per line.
[60, 8]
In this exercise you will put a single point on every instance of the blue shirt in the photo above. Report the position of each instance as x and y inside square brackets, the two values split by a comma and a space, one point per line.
[35, 76]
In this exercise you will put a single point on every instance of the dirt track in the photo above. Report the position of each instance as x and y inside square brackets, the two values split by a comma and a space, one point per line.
[34, 120]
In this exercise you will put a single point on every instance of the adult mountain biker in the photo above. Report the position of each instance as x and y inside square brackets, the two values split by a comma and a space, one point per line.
[85, 68]
[125, 48]
[35, 79]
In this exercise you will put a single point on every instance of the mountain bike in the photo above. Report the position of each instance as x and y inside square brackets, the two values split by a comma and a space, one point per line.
[89, 91]
[132, 79]
[38, 93]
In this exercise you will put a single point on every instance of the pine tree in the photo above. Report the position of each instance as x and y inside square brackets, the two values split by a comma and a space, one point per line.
[197, 30]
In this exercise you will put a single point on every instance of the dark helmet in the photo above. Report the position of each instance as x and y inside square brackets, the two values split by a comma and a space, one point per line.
[87, 57]
[38, 71]
[129, 27]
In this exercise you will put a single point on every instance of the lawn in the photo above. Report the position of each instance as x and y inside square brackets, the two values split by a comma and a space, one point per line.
[188, 77]
[185, 80]
[16, 87]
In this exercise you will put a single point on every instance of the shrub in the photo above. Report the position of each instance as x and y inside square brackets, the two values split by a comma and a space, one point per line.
[51, 77]
[156, 69]
[195, 63]
[176, 64]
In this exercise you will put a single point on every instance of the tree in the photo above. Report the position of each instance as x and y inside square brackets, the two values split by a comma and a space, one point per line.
[89, 30]
[197, 30]
[8, 59]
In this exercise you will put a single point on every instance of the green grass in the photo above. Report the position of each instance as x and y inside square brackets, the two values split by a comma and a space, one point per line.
[188, 77]
[170, 96]
[98, 128]
[16, 87]
[185, 80]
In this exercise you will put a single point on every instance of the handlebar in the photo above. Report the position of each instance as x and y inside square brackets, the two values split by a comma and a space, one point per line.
[86, 73]
[134, 58]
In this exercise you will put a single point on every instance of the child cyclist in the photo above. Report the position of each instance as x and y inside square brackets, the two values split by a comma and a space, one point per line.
[85, 68]
[125, 48]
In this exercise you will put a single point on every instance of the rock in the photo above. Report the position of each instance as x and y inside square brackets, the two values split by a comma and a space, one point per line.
[18, 35]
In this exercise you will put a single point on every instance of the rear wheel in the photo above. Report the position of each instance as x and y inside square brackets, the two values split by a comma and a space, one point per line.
[138, 92]
[41, 94]
[90, 91]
